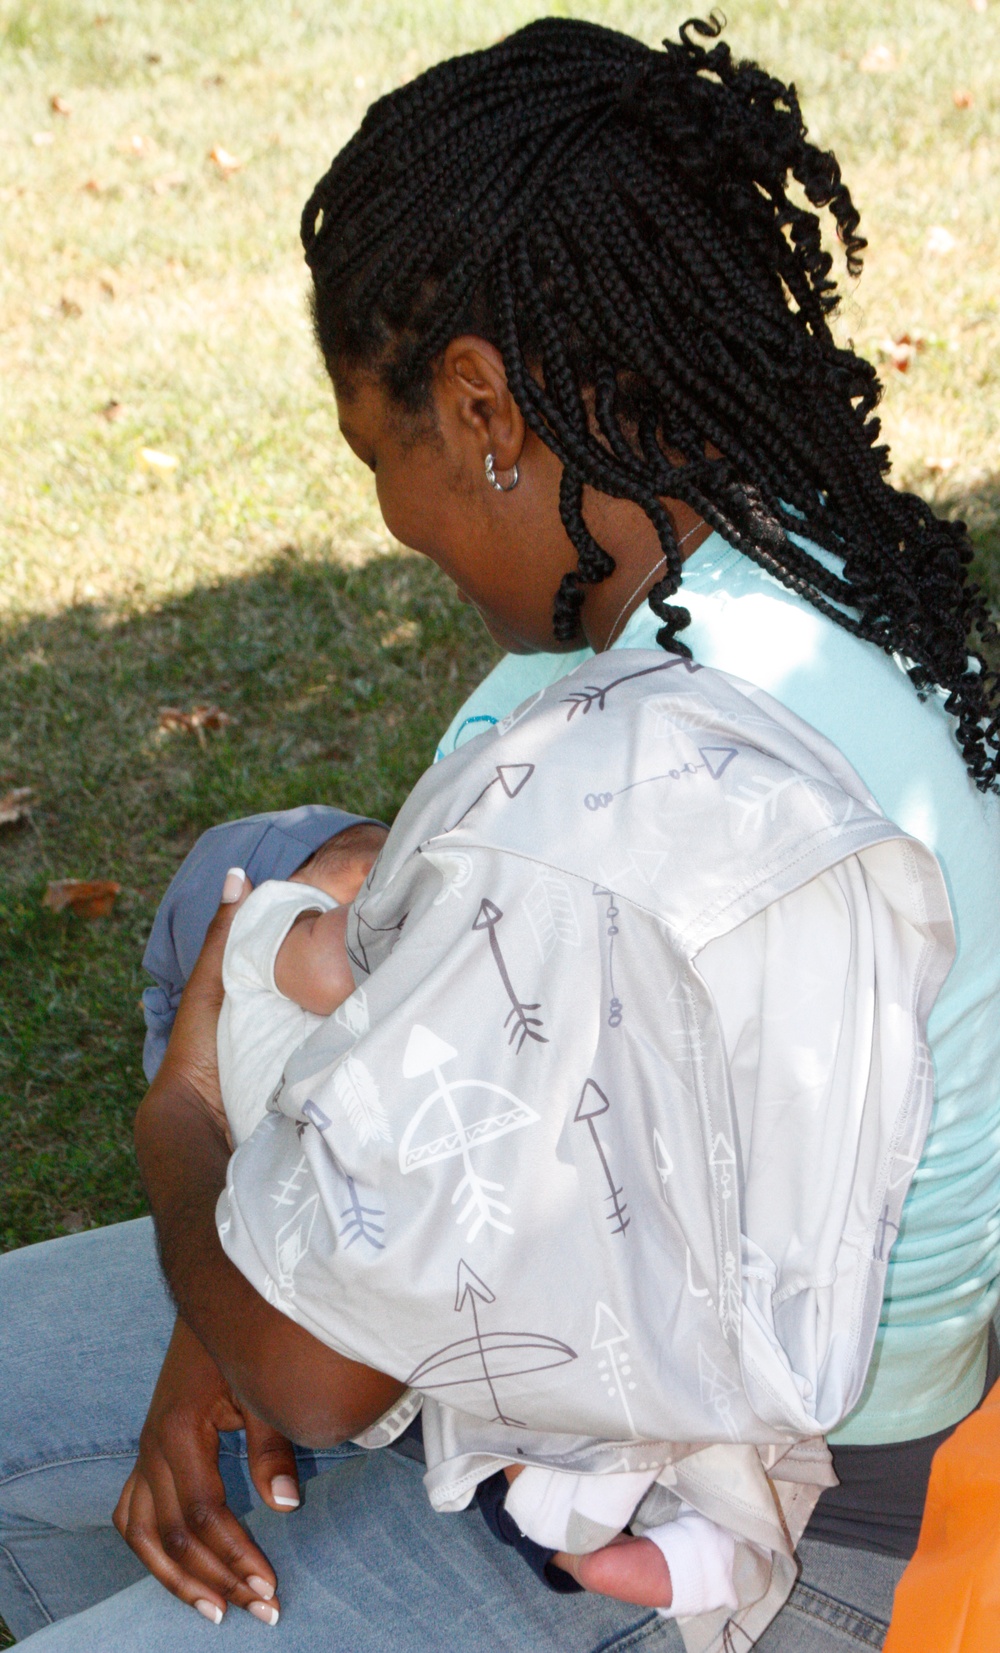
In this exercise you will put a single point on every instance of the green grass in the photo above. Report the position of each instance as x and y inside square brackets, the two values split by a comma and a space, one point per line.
[257, 573]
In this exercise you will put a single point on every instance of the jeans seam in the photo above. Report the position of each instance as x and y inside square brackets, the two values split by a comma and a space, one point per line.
[61, 1463]
[865, 1630]
[130, 1451]
[33, 1593]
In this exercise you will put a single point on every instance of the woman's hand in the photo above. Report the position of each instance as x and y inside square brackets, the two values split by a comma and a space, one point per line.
[172, 1511]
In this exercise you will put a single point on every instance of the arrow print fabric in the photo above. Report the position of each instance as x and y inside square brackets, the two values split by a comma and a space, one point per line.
[519, 1169]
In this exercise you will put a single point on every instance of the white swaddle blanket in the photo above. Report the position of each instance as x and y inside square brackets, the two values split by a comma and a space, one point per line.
[594, 1198]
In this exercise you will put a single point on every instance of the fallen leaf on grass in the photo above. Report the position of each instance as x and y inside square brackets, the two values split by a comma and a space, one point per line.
[940, 466]
[70, 306]
[196, 721]
[878, 60]
[59, 106]
[86, 897]
[15, 805]
[155, 460]
[962, 98]
[112, 410]
[901, 351]
[226, 163]
[92, 186]
[939, 240]
[74, 1222]
[136, 144]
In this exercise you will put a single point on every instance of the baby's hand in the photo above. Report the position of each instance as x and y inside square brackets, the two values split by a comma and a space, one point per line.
[311, 966]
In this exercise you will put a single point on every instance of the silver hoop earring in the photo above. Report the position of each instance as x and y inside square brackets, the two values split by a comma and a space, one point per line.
[491, 477]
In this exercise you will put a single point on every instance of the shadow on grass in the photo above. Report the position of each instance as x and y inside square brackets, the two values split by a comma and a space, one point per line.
[339, 683]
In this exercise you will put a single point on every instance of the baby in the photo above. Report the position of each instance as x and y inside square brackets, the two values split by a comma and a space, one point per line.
[285, 970]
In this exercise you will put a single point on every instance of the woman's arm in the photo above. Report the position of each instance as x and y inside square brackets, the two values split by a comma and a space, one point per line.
[284, 1374]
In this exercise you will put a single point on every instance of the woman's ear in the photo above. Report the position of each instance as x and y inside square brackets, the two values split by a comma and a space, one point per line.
[472, 393]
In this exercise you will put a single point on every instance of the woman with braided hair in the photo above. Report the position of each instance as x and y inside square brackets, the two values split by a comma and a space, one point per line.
[574, 300]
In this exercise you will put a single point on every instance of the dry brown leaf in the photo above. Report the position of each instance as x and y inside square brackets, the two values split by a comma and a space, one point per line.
[70, 306]
[878, 60]
[901, 351]
[15, 805]
[92, 186]
[112, 410]
[59, 106]
[940, 466]
[196, 721]
[962, 98]
[226, 163]
[86, 897]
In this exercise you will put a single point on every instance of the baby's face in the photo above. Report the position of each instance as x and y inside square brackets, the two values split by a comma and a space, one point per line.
[340, 866]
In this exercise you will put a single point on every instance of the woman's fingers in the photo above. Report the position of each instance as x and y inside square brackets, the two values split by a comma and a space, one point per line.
[194, 1552]
[273, 1470]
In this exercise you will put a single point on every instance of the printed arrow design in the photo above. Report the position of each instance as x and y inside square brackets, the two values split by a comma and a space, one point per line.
[715, 760]
[609, 1335]
[615, 1007]
[359, 955]
[592, 695]
[663, 1162]
[592, 1104]
[511, 778]
[362, 1222]
[426, 1053]
[487, 1356]
[525, 1025]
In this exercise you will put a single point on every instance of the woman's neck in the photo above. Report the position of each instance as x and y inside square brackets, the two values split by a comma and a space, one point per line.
[627, 534]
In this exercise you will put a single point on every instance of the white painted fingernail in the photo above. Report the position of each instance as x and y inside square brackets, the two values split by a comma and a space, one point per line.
[208, 1610]
[260, 1586]
[284, 1492]
[233, 886]
[261, 1610]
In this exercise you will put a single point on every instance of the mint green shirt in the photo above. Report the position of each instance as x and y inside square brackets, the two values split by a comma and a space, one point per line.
[929, 1364]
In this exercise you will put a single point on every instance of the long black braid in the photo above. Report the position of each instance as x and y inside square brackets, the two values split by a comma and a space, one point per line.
[616, 221]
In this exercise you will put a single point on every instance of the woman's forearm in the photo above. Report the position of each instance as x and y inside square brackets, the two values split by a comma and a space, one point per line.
[284, 1374]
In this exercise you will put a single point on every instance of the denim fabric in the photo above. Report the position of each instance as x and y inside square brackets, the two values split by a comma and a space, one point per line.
[363, 1565]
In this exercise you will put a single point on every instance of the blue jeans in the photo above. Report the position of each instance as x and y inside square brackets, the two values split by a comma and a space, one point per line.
[364, 1564]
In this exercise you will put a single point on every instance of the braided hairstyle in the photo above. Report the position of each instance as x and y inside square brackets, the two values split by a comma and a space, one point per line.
[616, 221]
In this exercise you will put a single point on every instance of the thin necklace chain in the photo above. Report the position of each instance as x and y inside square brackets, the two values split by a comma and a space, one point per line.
[647, 576]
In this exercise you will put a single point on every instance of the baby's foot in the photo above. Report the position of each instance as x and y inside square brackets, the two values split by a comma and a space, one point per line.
[629, 1569]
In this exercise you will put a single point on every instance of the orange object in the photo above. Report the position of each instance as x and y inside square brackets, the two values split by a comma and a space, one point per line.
[948, 1599]
[87, 897]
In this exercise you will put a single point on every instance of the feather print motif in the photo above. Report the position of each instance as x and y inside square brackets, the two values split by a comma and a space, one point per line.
[357, 1093]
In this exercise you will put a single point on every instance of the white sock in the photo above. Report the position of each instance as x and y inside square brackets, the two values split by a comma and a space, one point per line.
[700, 1556]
